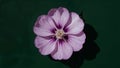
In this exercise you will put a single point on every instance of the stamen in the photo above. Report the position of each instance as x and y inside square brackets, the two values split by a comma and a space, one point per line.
[59, 34]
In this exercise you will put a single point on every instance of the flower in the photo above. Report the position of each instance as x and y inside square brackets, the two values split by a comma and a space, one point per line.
[59, 33]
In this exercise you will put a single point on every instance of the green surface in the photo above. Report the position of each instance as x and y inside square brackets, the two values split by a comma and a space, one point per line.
[17, 18]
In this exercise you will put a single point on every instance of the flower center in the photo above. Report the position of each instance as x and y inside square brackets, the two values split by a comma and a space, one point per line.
[59, 34]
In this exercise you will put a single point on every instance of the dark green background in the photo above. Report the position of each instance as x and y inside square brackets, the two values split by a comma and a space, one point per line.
[17, 18]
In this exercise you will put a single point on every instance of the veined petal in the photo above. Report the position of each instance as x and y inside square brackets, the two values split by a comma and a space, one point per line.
[67, 50]
[58, 54]
[56, 16]
[40, 42]
[43, 26]
[64, 51]
[49, 48]
[64, 16]
[45, 46]
[76, 26]
[77, 41]
[60, 16]
[52, 11]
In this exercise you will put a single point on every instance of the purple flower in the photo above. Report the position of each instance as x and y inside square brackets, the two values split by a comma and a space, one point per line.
[59, 33]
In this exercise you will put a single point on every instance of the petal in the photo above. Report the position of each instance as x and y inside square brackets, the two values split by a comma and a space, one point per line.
[43, 26]
[40, 42]
[45, 46]
[58, 55]
[60, 16]
[67, 51]
[76, 26]
[64, 16]
[76, 41]
[55, 14]
[64, 51]
[52, 11]
[48, 48]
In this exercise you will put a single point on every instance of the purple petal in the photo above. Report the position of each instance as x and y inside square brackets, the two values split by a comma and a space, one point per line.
[58, 55]
[67, 51]
[60, 16]
[43, 26]
[52, 11]
[77, 41]
[55, 16]
[40, 42]
[46, 46]
[64, 16]
[64, 52]
[48, 49]
[76, 26]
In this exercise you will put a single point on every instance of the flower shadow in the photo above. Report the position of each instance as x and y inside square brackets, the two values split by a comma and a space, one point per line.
[88, 52]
